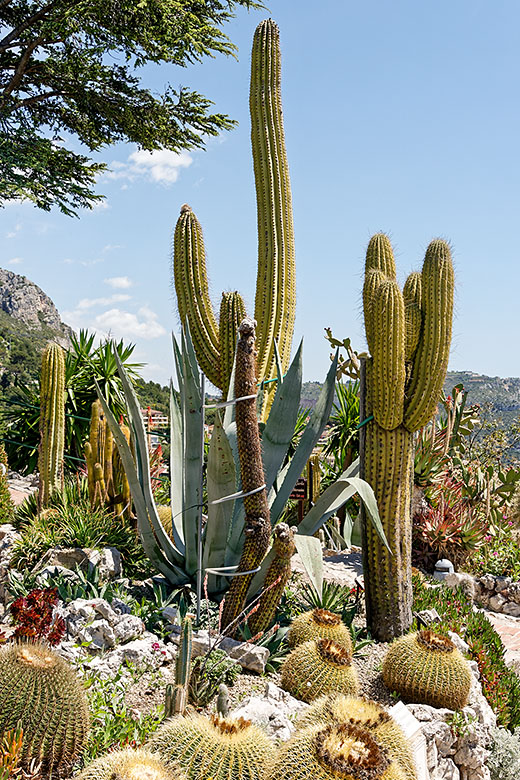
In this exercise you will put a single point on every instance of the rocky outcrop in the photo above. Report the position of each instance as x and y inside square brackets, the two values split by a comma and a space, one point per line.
[25, 301]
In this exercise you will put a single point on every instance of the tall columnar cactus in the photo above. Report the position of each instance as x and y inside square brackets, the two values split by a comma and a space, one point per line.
[107, 481]
[257, 530]
[408, 336]
[52, 420]
[275, 301]
[183, 666]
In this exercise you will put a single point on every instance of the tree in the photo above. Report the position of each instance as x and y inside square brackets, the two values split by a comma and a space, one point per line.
[71, 66]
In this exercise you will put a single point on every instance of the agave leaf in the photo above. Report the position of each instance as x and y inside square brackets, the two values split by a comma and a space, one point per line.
[308, 441]
[309, 550]
[176, 470]
[220, 482]
[279, 428]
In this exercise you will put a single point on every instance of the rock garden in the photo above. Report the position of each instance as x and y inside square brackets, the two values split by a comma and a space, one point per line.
[266, 604]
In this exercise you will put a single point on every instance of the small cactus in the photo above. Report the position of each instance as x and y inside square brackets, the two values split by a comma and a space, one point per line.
[129, 764]
[335, 751]
[217, 748]
[40, 692]
[426, 668]
[367, 715]
[319, 624]
[318, 667]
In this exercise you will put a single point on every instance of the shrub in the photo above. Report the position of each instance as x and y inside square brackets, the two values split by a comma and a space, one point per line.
[504, 761]
[6, 502]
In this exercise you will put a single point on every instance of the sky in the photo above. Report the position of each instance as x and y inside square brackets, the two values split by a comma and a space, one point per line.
[399, 115]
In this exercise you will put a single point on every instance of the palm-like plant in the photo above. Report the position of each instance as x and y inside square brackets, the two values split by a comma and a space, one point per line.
[343, 442]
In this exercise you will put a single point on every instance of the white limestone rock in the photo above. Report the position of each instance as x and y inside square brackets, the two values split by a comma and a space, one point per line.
[275, 711]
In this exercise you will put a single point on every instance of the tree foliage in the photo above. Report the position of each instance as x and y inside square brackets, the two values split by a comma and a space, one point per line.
[72, 67]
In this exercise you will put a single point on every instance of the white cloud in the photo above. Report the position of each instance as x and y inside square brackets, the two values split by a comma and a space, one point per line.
[84, 263]
[111, 247]
[89, 303]
[161, 166]
[15, 261]
[119, 282]
[124, 324]
[13, 233]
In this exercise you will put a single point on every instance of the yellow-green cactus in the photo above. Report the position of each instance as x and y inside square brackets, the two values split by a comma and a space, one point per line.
[318, 667]
[52, 421]
[107, 481]
[130, 764]
[217, 748]
[337, 751]
[427, 668]
[408, 336]
[319, 624]
[368, 715]
[42, 693]
[276, 578]
[232, 312]
[275, 301]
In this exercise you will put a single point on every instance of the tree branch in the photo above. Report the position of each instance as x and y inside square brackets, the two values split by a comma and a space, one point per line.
[3, 3]
[37, 98]
[13, 35]
[22, 65]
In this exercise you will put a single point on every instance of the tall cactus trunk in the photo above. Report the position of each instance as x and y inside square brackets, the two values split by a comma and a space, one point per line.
[257, 529]
[52, 421]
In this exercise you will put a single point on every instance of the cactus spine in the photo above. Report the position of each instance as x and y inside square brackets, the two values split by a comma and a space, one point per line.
[409, 338]
[52, 421]
[275, 301]
[257, 520]
[276, 578]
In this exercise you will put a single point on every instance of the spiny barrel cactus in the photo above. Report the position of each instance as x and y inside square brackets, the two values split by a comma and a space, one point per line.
[52, 420]
[275, 301]
[318, 667]
[319, 624]
[408, 335]
[215, 747]
[41, 692]
[336, 751]
[427, 668]
[367, 715]
[257, 523]
[129, 764]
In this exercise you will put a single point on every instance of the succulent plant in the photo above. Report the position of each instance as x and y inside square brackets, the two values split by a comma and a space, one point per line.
[318, 667]
[107, 481]
[335, 751]
[275, 301]
[217, 748]
[40, 692]
[368, 715]
[276, 578]
[52, 421]
[426, 667]
[130, 764]
[408, 335]
[176, 696]
[319, 624]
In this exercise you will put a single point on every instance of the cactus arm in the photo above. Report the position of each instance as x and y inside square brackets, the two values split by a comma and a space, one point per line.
[308, 441]
[380, 256]
[276, 578]
[413, 314]
[191, 286]
[220, 482]
[388, 364]
[52, 420]
[373, 280]
[232, 312]
[275, 301]
[431, 359]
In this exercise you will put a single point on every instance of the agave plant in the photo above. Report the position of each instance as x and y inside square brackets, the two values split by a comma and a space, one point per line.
[214, 548]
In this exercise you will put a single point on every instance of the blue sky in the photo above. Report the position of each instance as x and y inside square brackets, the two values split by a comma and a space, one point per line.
[399, 116]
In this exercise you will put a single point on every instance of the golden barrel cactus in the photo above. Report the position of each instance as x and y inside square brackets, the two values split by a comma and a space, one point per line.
[319, 624]
[426, 667]
[318, 667]
[129, 764]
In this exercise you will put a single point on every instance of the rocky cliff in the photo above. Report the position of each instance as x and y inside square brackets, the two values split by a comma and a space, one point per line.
[23, 300]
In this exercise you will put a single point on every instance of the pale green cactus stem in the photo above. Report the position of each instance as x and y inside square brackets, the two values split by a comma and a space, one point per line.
[52, 421]
[182, 669]
[409, 338]
[275, 300]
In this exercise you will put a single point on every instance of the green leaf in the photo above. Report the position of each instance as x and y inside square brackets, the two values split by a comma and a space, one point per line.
[309, 550]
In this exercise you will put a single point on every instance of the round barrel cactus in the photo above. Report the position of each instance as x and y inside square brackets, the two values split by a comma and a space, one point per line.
[318, 667]
[129, 764]
[319, 624]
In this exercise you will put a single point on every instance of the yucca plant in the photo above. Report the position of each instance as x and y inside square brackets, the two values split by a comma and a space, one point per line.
[178, 555]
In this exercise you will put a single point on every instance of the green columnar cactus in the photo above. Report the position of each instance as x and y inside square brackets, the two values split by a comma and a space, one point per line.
[337, 751]
[275, 301]
[276, 578]
[368, 715]
[427, 668]
[232, 312]
[319, 624]
[318, 667]
[408, 336]
[129, 764]
[182, 667]
[257, 530]
[214, 748]
[41, 692]
[107, 481]
[52, 421]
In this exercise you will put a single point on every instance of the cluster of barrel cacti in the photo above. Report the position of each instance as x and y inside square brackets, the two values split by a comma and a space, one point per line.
[107, 481]
[275, 301]
[408, 335]
[52, 421]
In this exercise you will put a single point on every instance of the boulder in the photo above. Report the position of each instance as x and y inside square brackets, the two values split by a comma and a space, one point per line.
[275, 711]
